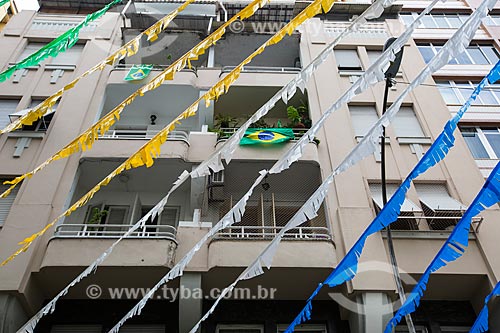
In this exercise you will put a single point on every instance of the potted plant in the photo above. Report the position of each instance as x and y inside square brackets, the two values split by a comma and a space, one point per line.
[225, 121]
[298, 116]
[96, 217]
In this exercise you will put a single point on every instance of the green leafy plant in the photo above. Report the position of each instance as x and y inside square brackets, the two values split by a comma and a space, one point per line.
[225, 121]
[298, 116]
[97, 215]
[261, 123]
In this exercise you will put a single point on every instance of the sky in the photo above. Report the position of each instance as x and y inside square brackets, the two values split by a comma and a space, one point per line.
[27, 4]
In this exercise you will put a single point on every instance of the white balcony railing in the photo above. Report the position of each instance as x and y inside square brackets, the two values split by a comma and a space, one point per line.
[114, 231]
[262, 69]
[260, 232]
[144, 134]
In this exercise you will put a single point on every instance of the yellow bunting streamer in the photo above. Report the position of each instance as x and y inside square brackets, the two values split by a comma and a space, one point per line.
[85, 140]
[127, 50]
[151, 149]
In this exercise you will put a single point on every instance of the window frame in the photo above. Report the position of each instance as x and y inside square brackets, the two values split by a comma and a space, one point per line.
[484, 141]
[220, 327]
[303, 327]
[453, 86]
[456, 61]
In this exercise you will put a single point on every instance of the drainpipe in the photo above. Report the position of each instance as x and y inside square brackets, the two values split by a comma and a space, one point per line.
[224, 9]
[122, 13]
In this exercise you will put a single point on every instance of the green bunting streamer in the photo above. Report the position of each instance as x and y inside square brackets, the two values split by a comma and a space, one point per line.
[58, 45]
[4, 2]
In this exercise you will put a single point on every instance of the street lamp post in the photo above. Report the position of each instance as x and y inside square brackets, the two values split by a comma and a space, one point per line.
[390, 75]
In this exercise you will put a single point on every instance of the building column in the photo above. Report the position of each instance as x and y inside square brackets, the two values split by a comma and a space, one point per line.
[190, 308]
[12, 315]
[205, 114]
[374, 309]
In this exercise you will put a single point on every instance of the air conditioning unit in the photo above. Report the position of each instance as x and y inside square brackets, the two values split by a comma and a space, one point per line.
[216, 179]
[216, 186]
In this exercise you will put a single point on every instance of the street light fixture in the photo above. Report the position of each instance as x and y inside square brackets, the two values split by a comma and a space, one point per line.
[390, 74]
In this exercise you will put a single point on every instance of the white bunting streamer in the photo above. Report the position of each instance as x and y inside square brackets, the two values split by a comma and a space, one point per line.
[455, 45]
[214, 162]
[370, 77]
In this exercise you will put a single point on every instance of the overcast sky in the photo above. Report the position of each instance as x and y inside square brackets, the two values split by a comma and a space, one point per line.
[27, 4]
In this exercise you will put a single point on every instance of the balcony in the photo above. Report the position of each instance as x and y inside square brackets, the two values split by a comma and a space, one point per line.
[91, 229]
[114, 231]
[259, 233]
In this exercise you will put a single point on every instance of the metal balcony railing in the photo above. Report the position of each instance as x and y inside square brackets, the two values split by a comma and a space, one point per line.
[114, 231]
[262, 69]
[225, 133]
[435, 223]
[264, 232]
[155, 67]
[144, 134]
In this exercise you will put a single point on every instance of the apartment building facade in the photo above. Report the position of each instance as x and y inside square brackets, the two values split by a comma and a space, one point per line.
[307, 254]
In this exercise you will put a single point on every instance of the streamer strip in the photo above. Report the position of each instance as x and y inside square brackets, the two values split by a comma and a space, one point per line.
[127, 50]
[347, 268]
[85, 140]
[3, 2]
[58, 45]
[239, 208]
[481, 323]
[309, 210]
[151, 149]
[373, 11]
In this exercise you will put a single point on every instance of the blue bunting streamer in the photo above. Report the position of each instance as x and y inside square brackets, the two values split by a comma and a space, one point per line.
[347, 268]
[481, 323]
[454, 246]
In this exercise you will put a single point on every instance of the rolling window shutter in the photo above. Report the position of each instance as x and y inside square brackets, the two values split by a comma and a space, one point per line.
[6, 203]
[363, 117]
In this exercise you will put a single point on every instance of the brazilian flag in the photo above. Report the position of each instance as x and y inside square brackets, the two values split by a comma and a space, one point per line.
[138, 72]
[266, 135]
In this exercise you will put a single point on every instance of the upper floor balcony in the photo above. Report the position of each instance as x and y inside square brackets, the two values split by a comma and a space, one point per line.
[113, 210]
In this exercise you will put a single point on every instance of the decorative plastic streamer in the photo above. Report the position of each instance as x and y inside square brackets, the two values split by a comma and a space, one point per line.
[455, 245]
[127, 50]
[58, 45]
[372, 12]
[347, 267]
[308, 210]
[86, 140]
[3, 2]
[481, 323]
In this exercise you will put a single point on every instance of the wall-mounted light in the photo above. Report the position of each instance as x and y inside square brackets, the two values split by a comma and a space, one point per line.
[153, 118]
[265, 184]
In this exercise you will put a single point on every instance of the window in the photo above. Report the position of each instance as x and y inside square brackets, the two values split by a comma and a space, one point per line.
[457, 92]
[29, 50]
[492, 20]
[373, 55]
[40, 125]
[109, 214]
[363, 117]
[483, 142]
[239, 329]
[169, 216]
[142, 329]
[304, 328]
[7, 107]
[347, 60]
[406, 123]
[69, 57]
[406, 220]
[6, 203]
[441, 210]
[436, 20]
[475, 54]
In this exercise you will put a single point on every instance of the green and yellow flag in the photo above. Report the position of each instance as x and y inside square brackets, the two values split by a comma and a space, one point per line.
[266, 135]
[138, 72]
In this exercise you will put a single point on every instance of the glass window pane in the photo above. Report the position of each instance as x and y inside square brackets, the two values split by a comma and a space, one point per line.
[406, 123]
[441, 21]
[448, 93]
[474, 143]
[428, 22]
[407, 19]
[487, 97]
[477, 56]
[465, 90]
[373, 55]
[491, 53]
[493, 137]
[427, 52]
[454, 21]
[463, 59]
